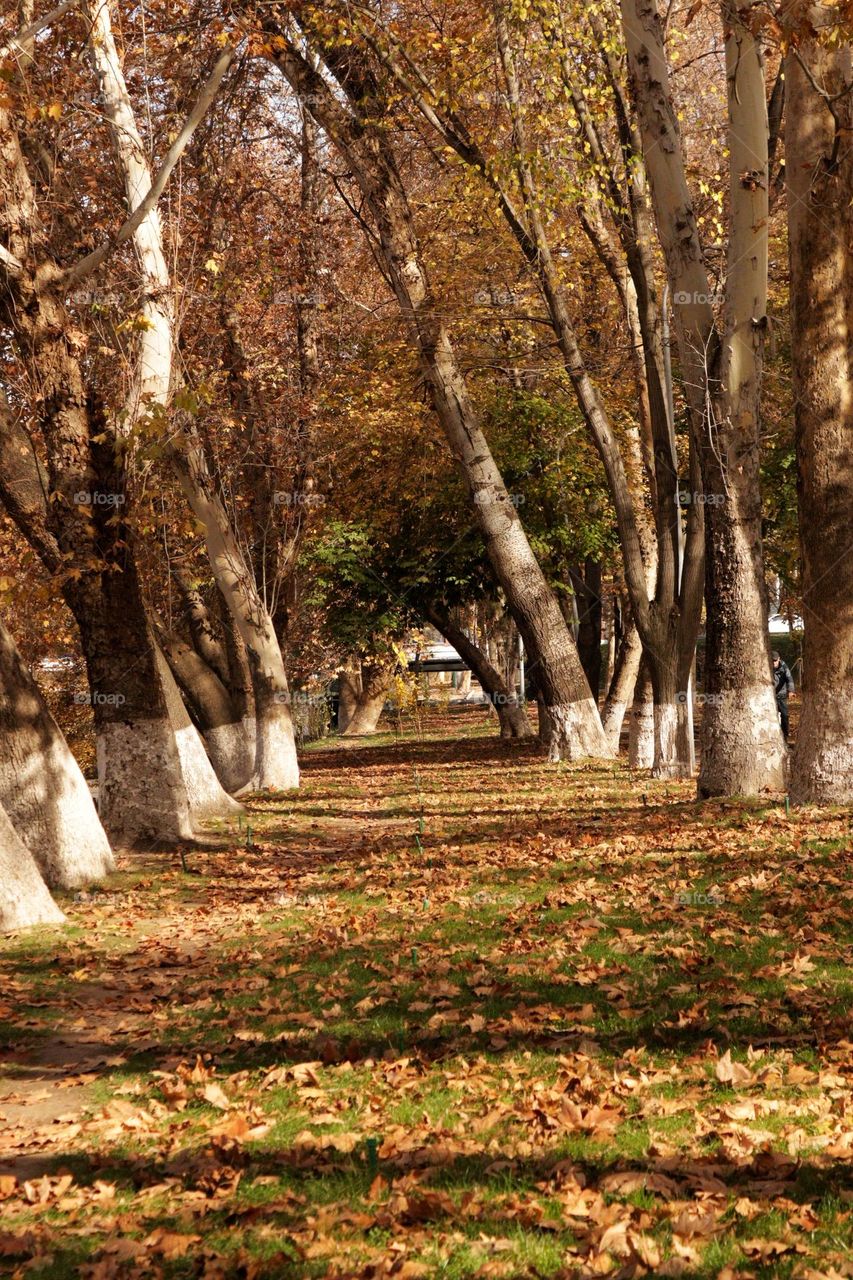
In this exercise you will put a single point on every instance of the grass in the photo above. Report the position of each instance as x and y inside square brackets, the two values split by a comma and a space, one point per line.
[454, 1016]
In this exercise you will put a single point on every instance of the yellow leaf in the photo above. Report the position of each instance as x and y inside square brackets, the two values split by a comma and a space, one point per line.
[213, 1094]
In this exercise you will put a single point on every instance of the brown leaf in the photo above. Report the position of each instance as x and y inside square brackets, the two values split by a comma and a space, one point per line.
[169, 1244]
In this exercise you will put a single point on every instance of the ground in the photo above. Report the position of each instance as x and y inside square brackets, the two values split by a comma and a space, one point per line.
[448, 1011]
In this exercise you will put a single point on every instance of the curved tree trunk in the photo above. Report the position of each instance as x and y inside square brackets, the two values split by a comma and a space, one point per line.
[368, 685]
[206, 795]
[24, 897]
[42, 788]
[621, 691]
[199, 623]
[819, 177]
[276, 766]
[230, 747]
[347, 699]
[511, 714]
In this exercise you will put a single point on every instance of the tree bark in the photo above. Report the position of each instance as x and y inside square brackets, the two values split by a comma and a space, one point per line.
[511, 714]
[199, 623]
[207, 798]
[24, 897]
[819, 177]
[641, 733]
[621, 692]
[368, 684]
[276, 766]
[230, 748]
[42, 788]
[347, 699]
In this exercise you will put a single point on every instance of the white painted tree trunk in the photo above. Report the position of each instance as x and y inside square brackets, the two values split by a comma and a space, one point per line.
[206, 796]
[228, 736]
[641, 732]
[276, 766]
[621, 689]
[24, 897]
[141, 793]
[42, 788]
[231, 748]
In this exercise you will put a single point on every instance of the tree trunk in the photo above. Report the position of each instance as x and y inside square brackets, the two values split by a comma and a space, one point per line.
[641, 734]
[621, 691]
[207, 798]
[24, 897]
[142, 795]
[511, 714]
[276, 767]
[231, 750]
[369, 684]
[275, 759]
[199, 623]
[819, 177]
[612, 639]
[42, 789]
[347, 699]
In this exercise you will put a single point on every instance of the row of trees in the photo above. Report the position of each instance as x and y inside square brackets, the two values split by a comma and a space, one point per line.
[318, 322]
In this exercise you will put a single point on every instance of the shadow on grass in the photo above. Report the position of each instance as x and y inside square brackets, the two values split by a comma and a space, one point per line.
[280, 1190]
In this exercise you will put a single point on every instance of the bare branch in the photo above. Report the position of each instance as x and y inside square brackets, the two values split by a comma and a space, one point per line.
[86, 266]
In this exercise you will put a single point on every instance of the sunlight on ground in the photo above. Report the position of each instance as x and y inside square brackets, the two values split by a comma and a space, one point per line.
[449, 1010]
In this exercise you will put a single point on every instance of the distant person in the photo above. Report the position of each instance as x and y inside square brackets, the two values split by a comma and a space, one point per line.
[784, 683]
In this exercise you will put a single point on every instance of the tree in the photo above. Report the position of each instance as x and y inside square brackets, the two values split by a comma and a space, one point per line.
[742, 748]
[571, 711]
[276, 765]
[640, 464]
